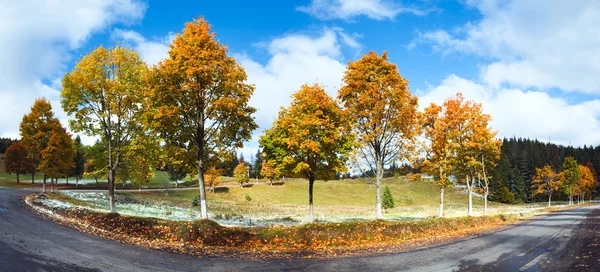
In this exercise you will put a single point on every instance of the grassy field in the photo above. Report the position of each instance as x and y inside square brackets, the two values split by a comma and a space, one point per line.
[333, 201]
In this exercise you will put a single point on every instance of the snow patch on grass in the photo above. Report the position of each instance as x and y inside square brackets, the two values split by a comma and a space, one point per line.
[130, 206]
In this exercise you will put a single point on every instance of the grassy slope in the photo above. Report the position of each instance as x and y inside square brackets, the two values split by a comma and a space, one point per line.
[333, 200]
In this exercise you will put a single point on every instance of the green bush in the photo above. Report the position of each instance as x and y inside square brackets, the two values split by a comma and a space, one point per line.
[506, 196]
[387, 201]
[196, 201]
[248, 198]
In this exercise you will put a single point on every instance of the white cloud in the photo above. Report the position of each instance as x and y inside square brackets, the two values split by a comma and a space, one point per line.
[348, 9]
[529, 114]
[152, 51]
[537, 43]
[36, 38]
[295, 59]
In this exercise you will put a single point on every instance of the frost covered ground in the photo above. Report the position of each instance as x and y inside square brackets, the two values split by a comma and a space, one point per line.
[131, 206]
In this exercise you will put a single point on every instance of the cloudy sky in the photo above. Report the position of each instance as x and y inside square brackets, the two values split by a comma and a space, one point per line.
[535, 65]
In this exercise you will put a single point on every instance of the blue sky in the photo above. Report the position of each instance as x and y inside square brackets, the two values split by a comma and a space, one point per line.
[532, 64]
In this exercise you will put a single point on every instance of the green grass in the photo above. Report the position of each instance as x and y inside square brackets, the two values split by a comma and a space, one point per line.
[333, 200]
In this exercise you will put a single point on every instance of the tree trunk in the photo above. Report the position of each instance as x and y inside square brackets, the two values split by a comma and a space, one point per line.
[485, 201]
[76, 181]
[570, 195]
[442, 201]
[378, 176]
[550, 200]
[17, 178]
[111, 189]
[33, 177]
[203, 207]
[311, 181]
[51, 184]
[470, 210]
[44, 186]
[96, 178]
[67, 180]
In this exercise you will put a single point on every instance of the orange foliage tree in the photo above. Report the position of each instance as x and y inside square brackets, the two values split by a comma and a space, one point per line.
[212, 178]
[312, 137]
[57, 157]
[16, 161]
[437, 148]
[198, 98]
[586, 184]
[546, 181]
[36, 128]
[383, 113]
[473, 140]
[459, 139]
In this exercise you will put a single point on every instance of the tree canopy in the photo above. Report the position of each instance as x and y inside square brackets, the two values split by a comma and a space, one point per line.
[104, 94]
[198, 98]
[312, 137]
[383, 112]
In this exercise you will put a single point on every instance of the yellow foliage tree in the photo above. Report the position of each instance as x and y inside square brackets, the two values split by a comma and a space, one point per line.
[104, 93]
[269, 171]
[312, 137]
[240, 173]
[546, 181]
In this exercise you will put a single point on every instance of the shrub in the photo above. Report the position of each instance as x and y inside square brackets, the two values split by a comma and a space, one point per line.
[387, 201]
[196, 201]
[248, 198]
[506, 196]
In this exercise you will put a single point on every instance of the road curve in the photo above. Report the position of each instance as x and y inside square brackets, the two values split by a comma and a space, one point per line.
[556, 242]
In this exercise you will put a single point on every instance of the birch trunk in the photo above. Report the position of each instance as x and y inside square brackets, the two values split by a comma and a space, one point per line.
[470, 211]
[378, 176]
[442, 201]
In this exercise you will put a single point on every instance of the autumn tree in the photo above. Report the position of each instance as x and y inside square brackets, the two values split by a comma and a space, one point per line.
[546, 181]
[383, 112]
[240, 173]
[212, 178]
[198, 98]
[78, 160]
[312, 137]
[178, 162]
[570, 171]
[270, 171]
[16, 161]
[458, 140]
[594, 176]
[95, 161]
[57, 157]
[36, 129]
[104, 95]
[473, 141]
[438, 150]
[586, 183]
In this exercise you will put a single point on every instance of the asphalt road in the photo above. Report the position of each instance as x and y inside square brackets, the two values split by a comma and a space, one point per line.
[564, 241]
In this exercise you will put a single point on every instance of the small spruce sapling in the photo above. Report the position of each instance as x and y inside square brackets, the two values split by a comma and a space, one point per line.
[387, 201]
